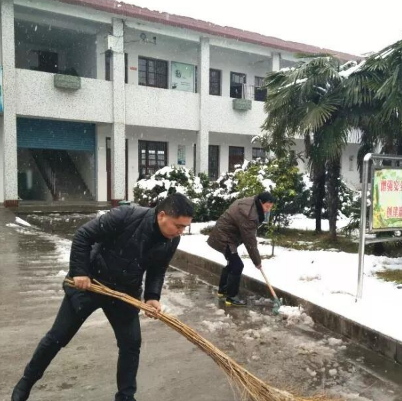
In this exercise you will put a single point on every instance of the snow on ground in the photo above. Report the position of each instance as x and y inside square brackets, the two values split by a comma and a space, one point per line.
[295, 315]
[196, 228]
[22, 222]
[325, 278]
[176, 303]
[298, 221]
[62, 246]
[301, 222]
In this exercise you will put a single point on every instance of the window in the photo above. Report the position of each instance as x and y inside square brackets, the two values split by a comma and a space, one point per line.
[194, 157]
[152, 72]
[237, 82]
[195, 79]
[126, 68]
[152, 157]
[236, 156]
[351, 163]
[181, 155]
[183, 77]
[108, 65]
[259, 153]
[260, 93]
[214, 82]
[213, 162]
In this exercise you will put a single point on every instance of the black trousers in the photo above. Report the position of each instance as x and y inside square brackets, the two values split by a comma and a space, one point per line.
[74, 310]
[229, 282]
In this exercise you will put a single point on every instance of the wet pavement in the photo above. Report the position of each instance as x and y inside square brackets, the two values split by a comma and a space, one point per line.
[286, 353]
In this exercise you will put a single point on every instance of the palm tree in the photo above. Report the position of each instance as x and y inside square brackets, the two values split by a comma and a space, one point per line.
[308, 101]
[373, 92]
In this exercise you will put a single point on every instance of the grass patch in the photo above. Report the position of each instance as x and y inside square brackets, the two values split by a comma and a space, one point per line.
[312, 241]
[391, 275]
[207, 230]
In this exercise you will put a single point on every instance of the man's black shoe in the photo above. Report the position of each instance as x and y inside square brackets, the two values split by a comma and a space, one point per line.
[22, 390]
[235, 301]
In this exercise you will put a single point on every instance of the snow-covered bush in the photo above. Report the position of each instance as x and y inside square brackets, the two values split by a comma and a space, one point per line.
[167, 181]
[211, 199]
[221, 194]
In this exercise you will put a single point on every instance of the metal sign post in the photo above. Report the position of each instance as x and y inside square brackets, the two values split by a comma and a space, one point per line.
[369, 161]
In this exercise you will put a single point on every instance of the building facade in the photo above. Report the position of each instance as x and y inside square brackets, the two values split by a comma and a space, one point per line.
[97, 94]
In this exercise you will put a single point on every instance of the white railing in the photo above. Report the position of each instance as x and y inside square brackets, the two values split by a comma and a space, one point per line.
[248, 91]
[50, 176]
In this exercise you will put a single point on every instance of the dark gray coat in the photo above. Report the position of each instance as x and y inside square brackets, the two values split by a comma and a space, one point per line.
[118, 247]
[237, 225]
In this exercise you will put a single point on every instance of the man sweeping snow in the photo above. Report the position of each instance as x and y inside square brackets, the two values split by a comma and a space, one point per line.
[116, 249]
[238, 225]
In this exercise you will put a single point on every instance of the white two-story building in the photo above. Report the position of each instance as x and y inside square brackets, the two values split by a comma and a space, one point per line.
[96, 94]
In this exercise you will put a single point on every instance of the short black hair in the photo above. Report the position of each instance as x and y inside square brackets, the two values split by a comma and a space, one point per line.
[176, 205]
[266, 197]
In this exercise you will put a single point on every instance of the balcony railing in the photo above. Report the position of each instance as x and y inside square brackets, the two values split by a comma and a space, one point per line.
[252, 92]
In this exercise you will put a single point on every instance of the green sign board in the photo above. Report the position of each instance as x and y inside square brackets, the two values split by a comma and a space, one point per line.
[387, 199]
[183, 77]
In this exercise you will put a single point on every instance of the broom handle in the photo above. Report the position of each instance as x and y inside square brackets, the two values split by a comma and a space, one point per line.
[269, 285]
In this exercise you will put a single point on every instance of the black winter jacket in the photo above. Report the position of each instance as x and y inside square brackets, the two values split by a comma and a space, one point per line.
[119, 246]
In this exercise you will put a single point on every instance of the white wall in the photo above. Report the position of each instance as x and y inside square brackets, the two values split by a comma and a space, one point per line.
[289, 56]
[180, 110]
[349, 170]
[1, 46]
[162, 108]
[37, 97]
[299, 148]
[223, 118]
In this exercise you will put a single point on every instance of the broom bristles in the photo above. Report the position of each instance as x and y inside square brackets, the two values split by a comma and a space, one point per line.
[249, 386]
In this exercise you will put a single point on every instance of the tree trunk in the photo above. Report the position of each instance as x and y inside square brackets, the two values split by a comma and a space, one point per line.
[334, 172]
[318, 194]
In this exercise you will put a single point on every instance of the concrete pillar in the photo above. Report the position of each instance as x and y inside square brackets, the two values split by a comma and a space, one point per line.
[116, 44]
[276, 61]
[100, 55]
[203, 134]
[10, 166]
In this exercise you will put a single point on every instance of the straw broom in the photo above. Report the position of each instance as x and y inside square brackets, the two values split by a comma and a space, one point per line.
[250, 387]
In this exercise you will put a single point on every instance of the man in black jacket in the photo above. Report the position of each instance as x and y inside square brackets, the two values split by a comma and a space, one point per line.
[117, 249]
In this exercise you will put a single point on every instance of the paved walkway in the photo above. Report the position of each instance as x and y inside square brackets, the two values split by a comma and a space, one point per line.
[32, 265]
